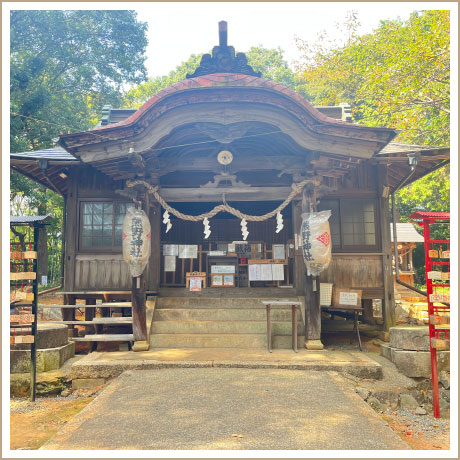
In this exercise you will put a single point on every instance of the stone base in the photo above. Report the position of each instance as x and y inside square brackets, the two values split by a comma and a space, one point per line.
[314, 345]
[415, 363]
[410, 338]
[48, 359]
[141, 345]
[418, 363]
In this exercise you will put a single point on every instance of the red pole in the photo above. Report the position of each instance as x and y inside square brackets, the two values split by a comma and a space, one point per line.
[431, 327]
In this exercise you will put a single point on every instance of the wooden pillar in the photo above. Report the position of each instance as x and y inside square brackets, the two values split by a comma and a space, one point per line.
[138, 309]
[388, 283]
[154, 261]
[71, 232]
[312, 301]
[300, 271]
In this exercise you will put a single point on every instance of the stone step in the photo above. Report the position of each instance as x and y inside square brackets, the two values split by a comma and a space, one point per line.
[104, 338]
[221, 341]
[223, 327]
[214, 302]
[221, 314]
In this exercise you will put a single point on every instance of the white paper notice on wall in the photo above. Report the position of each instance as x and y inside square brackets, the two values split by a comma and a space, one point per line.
[170, 263]
[254, 272]
[279, 251]
[278, 272]
[266, 272]
[348, 298]
[170, 249]
[188, 251]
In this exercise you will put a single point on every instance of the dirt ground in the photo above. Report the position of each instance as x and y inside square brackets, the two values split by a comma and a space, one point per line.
[432, 435]
[33, 423]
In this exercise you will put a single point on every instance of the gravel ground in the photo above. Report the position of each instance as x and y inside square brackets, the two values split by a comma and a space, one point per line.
[25, 406]
[426, 424]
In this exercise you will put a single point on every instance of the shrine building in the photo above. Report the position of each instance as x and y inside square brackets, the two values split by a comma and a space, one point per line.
[228, 136]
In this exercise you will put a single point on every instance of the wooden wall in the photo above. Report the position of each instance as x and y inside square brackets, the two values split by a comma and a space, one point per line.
[101, 271]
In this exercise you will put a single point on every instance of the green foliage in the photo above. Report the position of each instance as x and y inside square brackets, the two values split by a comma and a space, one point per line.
[65, 65]
[398, 76]
[268, 61]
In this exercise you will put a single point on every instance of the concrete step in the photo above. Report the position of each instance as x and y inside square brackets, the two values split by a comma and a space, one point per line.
[213, 302]
[223, 327]
[104, 338]
[221, 314]
[221, 341]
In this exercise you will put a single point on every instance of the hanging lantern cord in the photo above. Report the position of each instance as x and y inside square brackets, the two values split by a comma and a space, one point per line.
[225, 207]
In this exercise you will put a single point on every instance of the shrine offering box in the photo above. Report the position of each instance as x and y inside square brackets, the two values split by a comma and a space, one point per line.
[347, 298]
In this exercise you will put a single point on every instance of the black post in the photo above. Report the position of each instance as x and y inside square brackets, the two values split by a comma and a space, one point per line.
[33, 345]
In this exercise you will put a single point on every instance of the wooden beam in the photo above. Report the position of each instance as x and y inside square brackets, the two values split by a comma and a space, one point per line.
[172, 195]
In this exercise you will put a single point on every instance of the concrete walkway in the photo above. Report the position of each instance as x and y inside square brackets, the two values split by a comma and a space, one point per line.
[111, 364]
[227, 409]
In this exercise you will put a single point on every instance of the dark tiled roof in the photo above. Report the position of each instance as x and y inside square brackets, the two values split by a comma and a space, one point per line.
[28, 219]
[55, 153]
[397, 147]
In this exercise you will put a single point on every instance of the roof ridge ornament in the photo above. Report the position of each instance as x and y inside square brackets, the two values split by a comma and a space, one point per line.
[223, 59]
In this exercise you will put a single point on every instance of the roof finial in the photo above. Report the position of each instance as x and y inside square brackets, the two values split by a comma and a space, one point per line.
[223, 33]
[223, 59]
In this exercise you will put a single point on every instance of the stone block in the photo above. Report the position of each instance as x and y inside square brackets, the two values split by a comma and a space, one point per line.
[407, 402]
[386, 351]
[444, 379]
[418, 363]
[49, 335]
[47, 359]
[87, 383]
[410, 338]
[363, 392]
[375, 403]
[387, 398]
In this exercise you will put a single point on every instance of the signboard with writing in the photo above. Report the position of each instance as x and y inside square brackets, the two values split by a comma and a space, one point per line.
[279, 251]
[188, 251]
[222, 269]
[195, 284]
[170, 263]
[170, 249]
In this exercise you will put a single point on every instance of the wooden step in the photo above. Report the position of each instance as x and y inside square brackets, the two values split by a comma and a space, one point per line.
[104, 338]
[115, 321]
[82, 305]
[113, 305]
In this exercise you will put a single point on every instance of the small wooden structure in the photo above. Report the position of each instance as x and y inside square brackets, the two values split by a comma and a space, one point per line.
[227, 135]
[408, 237]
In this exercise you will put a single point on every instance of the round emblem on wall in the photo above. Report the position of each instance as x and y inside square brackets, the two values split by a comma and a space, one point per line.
[225, 157]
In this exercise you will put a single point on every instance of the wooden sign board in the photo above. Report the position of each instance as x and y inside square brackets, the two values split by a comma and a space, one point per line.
[267, 261]
[22, 339]
[23, 276]
[16, 295]
[22, 319]
[434, 275]
[445, 254]
[30, 255]
[433, 253]
[346, 297]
